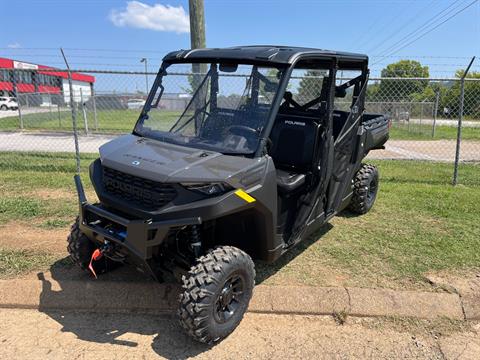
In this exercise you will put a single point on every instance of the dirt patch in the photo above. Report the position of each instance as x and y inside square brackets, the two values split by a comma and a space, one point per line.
[51, 194]
[461, 282]
[58, 194]
[466, 285]
[17, 235]
[28, 334]
[294, 273]
[419, 327]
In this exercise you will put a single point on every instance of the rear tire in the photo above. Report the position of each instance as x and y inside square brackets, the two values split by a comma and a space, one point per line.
[365, 188]
[3, 107]
[217, 291]
[81, 249]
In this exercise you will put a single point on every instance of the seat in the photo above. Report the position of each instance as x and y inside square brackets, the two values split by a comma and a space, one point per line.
[293, 140]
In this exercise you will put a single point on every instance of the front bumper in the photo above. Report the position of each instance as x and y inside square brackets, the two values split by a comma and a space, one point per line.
[135, 238]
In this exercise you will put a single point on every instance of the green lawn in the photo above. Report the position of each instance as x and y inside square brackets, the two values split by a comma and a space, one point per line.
[419, 224]
[108, 120]
[120, 121]
[18, 262]
[424, 132]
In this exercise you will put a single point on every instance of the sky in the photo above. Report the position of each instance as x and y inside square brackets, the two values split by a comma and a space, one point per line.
[107, 34]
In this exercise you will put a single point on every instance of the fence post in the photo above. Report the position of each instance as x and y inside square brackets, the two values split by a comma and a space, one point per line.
[459, 127]
[20, 116]
[85, 120]
[421, 116]
[50, 105]
[74, 114]
[409, 116]
[59, 117]
[435, 110]
[95, 119]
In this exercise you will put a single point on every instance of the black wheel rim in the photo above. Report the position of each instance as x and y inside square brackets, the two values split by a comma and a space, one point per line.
[372, 191]
[230, 298]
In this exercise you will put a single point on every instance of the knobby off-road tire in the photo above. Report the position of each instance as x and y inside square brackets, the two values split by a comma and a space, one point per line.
[216, 294]
[81, 249]
[365, 188]
[79, 246]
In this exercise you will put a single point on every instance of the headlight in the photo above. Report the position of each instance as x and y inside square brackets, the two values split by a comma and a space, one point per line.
[210, 189]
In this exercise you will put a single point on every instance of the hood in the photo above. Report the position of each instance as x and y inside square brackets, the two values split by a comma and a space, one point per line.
[170, 163]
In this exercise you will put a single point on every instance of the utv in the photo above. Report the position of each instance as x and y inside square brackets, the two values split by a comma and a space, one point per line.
[238, 153]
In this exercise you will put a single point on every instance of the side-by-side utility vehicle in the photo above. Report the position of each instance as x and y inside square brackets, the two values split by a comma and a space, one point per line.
[238, 154]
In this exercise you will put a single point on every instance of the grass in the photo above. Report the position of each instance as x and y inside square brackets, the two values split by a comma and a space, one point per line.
[419, 224]
[114, 121]
[340, 317]
[424, 132]
[55, 223]
[39, 188]
[18, 262]
[121, 121]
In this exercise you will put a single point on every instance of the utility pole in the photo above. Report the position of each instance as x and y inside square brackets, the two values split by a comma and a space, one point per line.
[197, 24]
[144, 60]
[197, 41]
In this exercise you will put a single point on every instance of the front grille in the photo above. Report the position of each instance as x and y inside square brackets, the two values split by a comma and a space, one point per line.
[148, 194]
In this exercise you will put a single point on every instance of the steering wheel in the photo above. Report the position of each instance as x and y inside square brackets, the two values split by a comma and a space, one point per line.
[242, 130]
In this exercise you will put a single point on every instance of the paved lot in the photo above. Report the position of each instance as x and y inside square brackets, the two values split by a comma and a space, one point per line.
[446, 122]
[52, 142]
[26, 111]
[439, 150]
[31, 334]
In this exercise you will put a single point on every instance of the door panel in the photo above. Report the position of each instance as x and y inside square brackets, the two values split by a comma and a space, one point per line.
[344, 148]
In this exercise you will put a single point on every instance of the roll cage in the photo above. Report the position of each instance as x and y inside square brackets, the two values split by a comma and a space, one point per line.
[286, 60]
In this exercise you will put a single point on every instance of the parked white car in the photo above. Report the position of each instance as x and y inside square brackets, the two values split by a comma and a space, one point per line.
[8, 103]
[135, 103]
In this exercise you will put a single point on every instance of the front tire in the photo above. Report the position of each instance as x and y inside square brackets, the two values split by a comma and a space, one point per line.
[81, 249]
[3, 107]
[217, 291]
[365, 189]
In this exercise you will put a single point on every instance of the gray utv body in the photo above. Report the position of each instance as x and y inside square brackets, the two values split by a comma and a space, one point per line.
[299, 176]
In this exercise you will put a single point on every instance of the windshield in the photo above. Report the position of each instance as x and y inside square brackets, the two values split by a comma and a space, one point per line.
[219, 107]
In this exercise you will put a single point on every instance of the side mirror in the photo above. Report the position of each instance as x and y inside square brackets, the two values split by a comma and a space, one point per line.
[340, 92]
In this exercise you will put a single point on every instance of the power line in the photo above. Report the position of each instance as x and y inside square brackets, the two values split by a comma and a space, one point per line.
[425, 24]
[434, 28]
[382, 25]
[401, 27]
[420, 56]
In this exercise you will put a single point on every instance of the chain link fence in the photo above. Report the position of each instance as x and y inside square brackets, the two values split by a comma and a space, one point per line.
[424, 114]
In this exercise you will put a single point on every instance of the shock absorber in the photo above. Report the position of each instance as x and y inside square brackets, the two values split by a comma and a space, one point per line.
[195, 241]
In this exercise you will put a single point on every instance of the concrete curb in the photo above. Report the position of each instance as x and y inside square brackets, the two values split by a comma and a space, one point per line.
[152, 297]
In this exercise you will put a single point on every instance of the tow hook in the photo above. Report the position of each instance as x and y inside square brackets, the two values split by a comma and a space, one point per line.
[99, 254]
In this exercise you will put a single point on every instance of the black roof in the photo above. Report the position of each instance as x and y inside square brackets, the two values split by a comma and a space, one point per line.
[259, 53]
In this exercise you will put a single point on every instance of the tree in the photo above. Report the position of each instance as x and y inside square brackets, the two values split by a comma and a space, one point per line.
[451, 100]
[406, 69]
[401, 90]
[310, 85]
[272, 76]
[373, 92]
